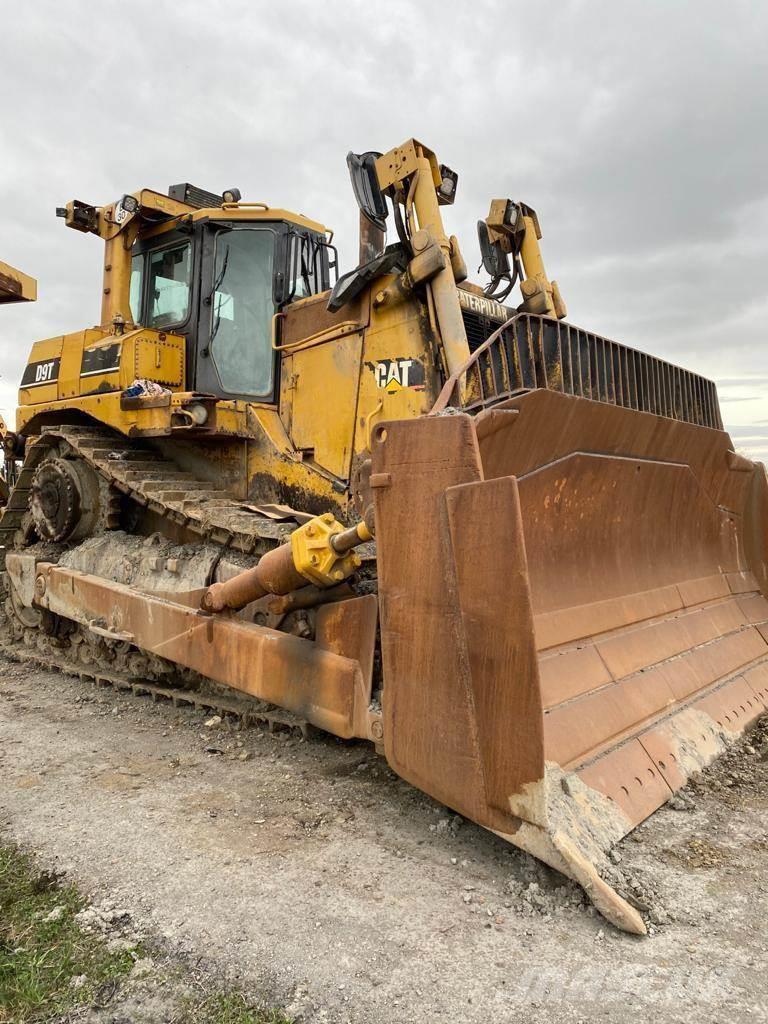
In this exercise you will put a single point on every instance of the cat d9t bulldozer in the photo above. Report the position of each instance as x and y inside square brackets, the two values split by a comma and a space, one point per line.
[523, 561]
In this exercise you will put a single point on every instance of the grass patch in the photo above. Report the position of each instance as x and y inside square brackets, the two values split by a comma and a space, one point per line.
[40, 957]
[227, 1008]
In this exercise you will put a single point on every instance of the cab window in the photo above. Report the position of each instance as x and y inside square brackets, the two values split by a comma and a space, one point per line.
[242, 310]
[169, 276]
[137, 282]
[304, 267]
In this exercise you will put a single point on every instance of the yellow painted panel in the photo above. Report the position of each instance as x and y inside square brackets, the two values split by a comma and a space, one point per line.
[158, 357]
[323, 396]
[105, 408]
[399, 379]
[78, 357]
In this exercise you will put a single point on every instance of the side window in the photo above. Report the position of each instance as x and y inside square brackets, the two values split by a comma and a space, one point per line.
[170, 272]
[137, 281]
[242, 311]
[307, 265]
[303, 274]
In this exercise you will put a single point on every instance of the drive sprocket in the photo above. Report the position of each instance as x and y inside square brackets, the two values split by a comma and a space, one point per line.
[68, 500]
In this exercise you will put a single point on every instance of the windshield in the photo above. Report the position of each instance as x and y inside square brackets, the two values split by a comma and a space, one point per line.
[242, 310]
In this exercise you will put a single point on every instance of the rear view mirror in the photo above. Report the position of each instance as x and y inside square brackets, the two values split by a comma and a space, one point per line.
[365, 185]
[495, 260]
[350, 285]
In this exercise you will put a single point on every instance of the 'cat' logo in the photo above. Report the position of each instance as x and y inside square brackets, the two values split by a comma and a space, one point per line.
[393, 374]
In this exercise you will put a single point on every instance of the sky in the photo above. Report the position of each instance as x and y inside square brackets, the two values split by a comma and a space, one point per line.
[637, 130]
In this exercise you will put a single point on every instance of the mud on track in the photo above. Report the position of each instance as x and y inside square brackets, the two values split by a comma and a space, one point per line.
[306, 871]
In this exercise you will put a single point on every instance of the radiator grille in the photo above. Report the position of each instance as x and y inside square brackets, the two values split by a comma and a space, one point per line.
[479, 328]
[536, 352]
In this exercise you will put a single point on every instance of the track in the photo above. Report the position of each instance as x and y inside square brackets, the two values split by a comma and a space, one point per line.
[33, 647]
[199, 508]
[151, 482]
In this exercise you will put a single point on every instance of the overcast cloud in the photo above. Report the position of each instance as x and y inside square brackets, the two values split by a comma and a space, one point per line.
[637, 131]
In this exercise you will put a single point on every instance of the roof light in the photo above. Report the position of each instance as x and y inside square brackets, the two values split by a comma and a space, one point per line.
[447, 189]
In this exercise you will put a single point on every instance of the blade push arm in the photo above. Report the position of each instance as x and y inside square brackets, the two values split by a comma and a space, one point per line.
[410, 177]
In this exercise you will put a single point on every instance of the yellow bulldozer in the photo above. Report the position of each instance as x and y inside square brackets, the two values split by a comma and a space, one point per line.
[15, 286]
[522, 560]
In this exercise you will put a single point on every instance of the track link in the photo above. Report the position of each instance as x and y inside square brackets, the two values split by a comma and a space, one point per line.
[247, 711]
[202, 508]
[205, 510]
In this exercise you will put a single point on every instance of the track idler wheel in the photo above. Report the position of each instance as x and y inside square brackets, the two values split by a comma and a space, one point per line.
[20, 616]
[64, 499]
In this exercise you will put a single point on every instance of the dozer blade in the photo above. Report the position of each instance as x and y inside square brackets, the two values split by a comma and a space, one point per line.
[573, 617]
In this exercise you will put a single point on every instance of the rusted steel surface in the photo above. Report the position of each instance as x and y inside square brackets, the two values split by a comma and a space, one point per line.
[274, 574]
[348, 628]
[550, 427]
[10, 288]
[572, 619]
[431, 732]
[326, 688]
[641, 536]
[16, 286]
[448, 653]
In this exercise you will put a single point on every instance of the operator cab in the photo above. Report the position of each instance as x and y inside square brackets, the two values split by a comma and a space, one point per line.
[217, 277]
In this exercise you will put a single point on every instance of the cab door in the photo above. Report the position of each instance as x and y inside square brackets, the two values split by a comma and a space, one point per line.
[235, 354]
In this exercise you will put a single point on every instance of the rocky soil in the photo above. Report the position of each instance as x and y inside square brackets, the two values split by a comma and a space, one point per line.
[307, 873]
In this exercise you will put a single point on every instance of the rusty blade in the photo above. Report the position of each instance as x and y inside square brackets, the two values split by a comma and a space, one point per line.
[462, 705]
[571, 616]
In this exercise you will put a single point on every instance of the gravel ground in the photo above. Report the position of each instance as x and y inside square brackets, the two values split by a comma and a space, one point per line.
[307, 873]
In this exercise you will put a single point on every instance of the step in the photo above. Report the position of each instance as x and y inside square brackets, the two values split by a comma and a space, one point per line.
[162, 472]
[173, 484]
[210, 499]
[127, 455]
